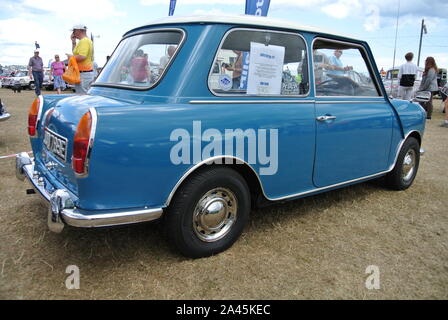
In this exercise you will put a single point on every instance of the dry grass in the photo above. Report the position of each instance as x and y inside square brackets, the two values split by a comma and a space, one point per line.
[313, 248]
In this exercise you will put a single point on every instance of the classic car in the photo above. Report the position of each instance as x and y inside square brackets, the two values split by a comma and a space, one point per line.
[201, 150]
[20, 78]
[48, 81]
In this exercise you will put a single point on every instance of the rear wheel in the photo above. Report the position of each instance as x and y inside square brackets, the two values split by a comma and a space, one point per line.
[32, 86]
[208, 212]
[406, 167]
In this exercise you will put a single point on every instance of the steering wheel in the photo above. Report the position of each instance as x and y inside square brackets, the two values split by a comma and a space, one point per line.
[338, 84]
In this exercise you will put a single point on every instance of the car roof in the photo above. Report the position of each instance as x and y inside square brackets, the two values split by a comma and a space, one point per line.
[243, 19]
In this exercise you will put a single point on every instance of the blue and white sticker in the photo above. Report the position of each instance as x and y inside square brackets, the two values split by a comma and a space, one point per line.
[225, 82]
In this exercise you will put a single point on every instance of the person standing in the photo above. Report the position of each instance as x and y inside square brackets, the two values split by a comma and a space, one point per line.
[140, 68]
[429, 83]
[36, 71]
[57, 69]
[166, 58]
[237, 68]
[83, 53]
[406, 76]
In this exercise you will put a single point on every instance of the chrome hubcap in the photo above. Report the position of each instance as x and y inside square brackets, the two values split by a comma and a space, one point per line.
[215, 214]
[408, 165]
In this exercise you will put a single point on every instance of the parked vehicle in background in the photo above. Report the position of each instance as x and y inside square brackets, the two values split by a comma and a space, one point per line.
[441, 77]
[3, 76]
[395, 84]
[20, 78]
[203, 151]
[47, 84]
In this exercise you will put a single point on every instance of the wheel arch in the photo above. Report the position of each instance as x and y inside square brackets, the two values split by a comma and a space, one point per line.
[417, 136]
[243, 168]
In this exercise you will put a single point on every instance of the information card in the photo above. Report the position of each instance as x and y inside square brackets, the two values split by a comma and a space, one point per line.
[265, 69]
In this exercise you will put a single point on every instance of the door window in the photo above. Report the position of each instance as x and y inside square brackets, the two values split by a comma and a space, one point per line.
[341, 69]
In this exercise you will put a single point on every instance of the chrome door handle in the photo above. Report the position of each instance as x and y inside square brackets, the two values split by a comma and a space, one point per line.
[325, 118]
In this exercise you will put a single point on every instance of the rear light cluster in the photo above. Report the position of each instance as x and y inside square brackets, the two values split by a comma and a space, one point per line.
[33, 116]
[82, 142]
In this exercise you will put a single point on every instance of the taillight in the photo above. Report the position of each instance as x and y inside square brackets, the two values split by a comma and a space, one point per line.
[32, 117]
[81, 144]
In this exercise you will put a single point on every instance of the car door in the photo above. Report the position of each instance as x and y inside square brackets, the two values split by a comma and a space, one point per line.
[353, 120]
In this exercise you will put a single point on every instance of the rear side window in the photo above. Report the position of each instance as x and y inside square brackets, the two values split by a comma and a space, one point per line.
[260, 63]
[342, 69]
[141, 60]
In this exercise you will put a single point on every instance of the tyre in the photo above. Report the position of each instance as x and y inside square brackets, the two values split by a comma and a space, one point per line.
[208, 212]
[406, 167]
[32, 86]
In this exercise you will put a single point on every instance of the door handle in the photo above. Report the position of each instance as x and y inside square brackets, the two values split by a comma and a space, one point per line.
[325, 118]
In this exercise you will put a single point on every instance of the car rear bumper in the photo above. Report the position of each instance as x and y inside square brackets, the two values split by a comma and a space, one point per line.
[63, 211]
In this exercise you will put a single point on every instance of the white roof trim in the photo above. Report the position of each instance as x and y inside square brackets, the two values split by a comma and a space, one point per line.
[245, 20]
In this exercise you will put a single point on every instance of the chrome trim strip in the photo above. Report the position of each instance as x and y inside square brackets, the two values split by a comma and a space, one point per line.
[397, 152]
[89, 218]
[80, 218]
[90, 146]
[192, 169]
[5, 116]
[258, 30]
[248, 101]
[209, 160]
[359, 46]
[41, 104]
[348, 101]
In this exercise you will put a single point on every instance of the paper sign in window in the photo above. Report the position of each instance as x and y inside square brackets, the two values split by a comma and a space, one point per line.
[265, 71]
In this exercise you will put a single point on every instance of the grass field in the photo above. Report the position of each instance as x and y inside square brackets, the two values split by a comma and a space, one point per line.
[313, 248]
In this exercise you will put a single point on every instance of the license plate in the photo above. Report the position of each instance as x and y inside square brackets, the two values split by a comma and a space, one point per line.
[56, 144]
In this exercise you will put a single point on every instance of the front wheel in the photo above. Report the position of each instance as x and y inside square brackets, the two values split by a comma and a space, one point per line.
[31, 86]
[406, 167]
[208, 212]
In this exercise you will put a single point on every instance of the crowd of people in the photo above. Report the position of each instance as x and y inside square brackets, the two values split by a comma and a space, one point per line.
[82, 51]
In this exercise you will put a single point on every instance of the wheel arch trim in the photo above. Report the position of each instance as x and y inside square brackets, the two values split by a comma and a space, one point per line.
[213, 161]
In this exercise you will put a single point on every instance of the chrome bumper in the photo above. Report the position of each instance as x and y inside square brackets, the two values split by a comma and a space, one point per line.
[4, 116]
[61, 205]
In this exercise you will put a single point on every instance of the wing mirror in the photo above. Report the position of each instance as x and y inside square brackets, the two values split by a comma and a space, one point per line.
[422, 96]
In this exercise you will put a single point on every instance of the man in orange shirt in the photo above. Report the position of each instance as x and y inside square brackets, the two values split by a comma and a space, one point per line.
[83, 53]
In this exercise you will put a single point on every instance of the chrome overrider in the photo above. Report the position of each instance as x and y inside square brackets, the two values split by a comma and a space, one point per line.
[63, 211]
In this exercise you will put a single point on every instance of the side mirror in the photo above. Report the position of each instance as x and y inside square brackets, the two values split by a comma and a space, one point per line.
[422, 96]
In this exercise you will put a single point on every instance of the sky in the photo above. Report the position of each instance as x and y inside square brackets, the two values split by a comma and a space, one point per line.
[22, 22]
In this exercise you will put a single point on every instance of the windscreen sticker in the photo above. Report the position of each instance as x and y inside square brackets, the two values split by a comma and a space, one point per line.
[225, 82]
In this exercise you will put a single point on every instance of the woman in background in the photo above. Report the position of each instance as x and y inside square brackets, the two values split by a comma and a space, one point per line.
[57, 69]
[429, 83]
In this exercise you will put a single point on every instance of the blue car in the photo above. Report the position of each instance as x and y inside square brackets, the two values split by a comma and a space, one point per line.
[197, 120]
